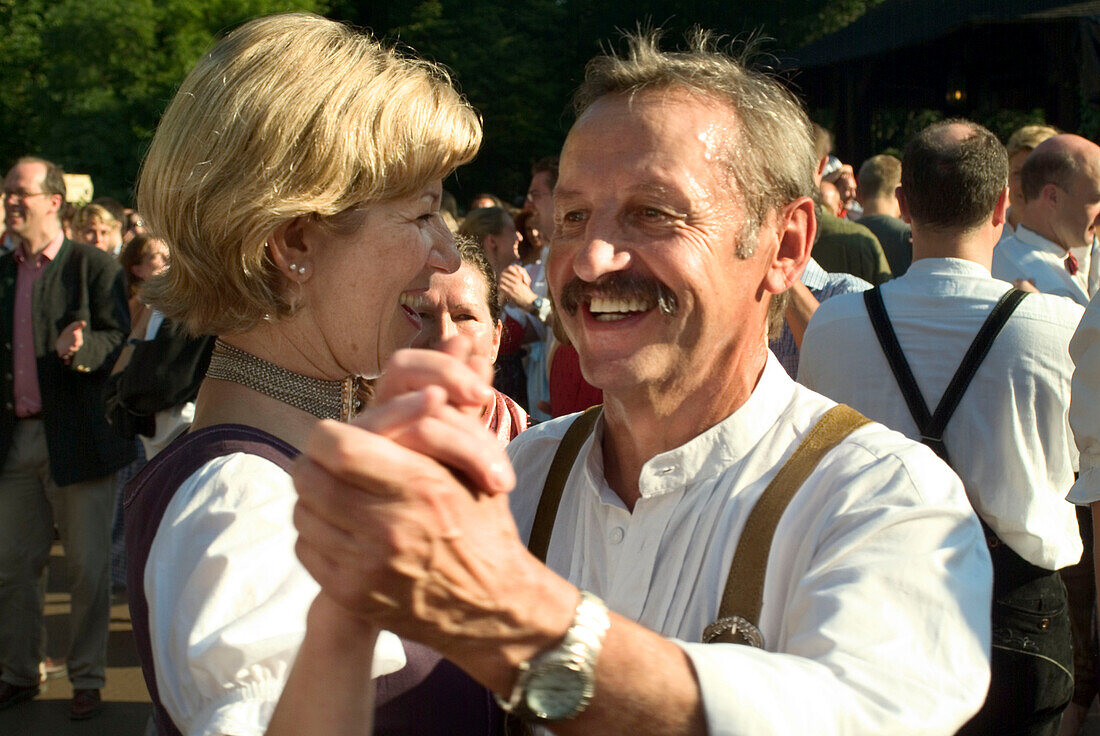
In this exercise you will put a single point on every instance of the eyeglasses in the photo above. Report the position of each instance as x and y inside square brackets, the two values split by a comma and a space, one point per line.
[20, 195]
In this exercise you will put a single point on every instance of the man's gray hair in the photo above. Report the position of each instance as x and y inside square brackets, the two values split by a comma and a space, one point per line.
[772, 159]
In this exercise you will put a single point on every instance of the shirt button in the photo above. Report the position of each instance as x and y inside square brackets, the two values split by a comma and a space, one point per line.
[617, 535]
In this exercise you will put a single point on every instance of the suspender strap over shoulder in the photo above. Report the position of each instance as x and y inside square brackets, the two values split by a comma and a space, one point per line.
[743, 598]
[560, 468]
[931, 426]
[739, 611]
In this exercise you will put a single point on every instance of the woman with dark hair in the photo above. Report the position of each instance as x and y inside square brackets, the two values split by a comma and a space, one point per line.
[465, 303]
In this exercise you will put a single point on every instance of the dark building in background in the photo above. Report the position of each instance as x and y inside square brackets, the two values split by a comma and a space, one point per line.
[904, 63]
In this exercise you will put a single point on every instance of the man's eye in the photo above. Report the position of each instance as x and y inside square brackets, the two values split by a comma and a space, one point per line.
[651, 213]
[427, 216]
[574, 216]
[463, 317]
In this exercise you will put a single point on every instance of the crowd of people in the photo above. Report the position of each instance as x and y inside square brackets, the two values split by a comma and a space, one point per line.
[712, 432]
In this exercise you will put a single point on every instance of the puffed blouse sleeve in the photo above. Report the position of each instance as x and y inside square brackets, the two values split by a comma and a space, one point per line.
[228, 598]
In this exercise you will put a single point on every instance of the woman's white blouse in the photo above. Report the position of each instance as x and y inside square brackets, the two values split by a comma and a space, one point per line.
[228, 598]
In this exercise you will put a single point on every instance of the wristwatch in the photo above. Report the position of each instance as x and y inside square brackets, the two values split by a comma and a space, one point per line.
[558, 684]
[537, 304]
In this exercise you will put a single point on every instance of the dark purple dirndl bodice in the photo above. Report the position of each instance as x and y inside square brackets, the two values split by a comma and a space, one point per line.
[428, 696]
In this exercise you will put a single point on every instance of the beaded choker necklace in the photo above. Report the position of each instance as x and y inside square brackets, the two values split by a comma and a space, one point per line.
[337, 400]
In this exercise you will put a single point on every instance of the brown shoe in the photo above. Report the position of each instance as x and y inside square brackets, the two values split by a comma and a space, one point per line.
[86, 703]
[15, 694]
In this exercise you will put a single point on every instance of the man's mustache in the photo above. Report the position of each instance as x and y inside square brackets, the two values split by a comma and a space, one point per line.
[618, 286]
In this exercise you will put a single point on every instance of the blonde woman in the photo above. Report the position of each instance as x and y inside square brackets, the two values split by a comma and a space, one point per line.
[296, 179]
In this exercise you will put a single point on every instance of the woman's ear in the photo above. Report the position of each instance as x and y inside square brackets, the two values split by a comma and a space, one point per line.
[286, 245]
[497, 331]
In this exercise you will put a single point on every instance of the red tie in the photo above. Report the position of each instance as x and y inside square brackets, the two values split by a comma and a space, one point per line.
[1071, 264]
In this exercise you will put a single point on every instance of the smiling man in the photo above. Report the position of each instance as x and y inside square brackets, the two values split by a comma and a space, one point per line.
[1055, 245]
[683, 213]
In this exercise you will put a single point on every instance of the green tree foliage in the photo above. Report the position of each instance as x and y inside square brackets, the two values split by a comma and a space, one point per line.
[85, 82]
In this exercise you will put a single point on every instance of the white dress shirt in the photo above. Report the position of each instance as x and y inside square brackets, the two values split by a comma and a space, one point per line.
[1009, 439]
[876, 602]
[1028, 255]
[1084, 408]
[228, 598]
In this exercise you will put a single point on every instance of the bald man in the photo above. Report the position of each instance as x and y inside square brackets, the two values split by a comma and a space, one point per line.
[1055, 248]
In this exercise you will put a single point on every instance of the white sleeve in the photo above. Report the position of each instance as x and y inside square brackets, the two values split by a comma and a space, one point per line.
[228, 598]
[1084, 407]
[882, 625]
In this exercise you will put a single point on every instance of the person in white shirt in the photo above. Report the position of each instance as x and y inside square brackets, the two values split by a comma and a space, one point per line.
[1055, 246]
[1008, 438]
[670, 253]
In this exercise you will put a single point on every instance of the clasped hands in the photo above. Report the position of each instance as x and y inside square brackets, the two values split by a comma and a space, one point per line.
[403, 516]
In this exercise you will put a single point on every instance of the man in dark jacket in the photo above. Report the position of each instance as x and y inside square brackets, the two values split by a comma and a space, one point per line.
[63, 318]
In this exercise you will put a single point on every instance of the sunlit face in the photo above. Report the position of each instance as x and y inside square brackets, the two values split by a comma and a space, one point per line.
[1076, 215]
[1015, 183]
[458, 304]
[27, 209]
[646, 213]
[101, 235]
[502, 248]
[153, 261]
[540, 200]
[364, 278]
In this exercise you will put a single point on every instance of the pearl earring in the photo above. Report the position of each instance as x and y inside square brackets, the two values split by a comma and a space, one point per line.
[294, 267]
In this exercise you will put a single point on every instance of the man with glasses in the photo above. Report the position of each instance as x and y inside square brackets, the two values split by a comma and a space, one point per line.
[64, 321]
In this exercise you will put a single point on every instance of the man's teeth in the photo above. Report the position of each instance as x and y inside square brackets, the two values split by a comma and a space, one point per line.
[605, 309]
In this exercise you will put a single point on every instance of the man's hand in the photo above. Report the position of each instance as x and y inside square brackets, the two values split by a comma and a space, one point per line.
[70, 340]
[515, 286]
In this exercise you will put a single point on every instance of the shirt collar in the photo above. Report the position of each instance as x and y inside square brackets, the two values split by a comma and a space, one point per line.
[48, 254]
[924, 268]
[814, 276]
[711, 452]
[1035, 240]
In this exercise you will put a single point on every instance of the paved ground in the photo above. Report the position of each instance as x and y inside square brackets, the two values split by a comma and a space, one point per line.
[126, 701]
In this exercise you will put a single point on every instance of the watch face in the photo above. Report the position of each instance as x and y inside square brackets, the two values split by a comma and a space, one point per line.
[555, 691]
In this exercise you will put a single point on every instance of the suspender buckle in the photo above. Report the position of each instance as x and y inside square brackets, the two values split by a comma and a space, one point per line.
[733, 630]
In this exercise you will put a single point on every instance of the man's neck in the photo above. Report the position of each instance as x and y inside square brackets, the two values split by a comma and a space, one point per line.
[643, 423]
[972, 245]
[880, 207]
[1041, 227]
[35, 243]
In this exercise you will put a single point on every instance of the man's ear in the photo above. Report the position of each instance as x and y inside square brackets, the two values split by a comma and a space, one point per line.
[903, 205]
[1050, 194]
[797, 229]
[1000, 210]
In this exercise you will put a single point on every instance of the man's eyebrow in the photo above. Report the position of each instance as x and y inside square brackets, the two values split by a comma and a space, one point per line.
[641, 187]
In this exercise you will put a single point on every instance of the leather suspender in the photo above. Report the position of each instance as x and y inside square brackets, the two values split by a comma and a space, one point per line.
[739, 611]
[931, 426]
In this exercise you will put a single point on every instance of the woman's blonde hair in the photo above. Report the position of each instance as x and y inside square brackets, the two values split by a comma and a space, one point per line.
[91, 213]
[288, 116]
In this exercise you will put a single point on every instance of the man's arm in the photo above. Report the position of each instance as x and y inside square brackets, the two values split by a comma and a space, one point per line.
[449, 570]
[86, 345]
[885, 625]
